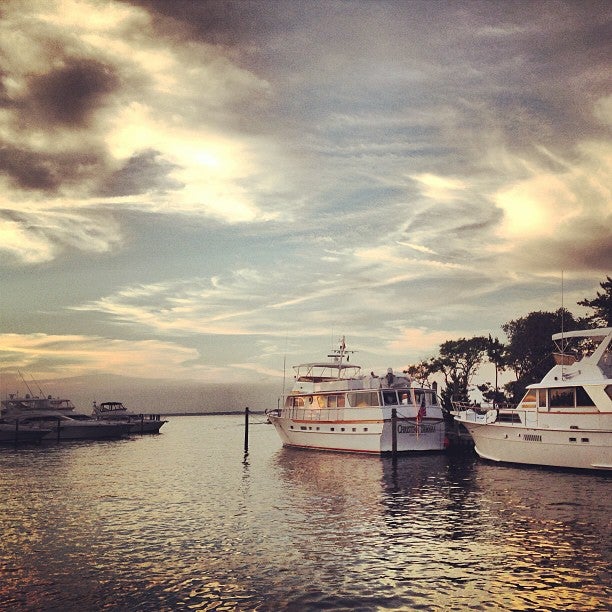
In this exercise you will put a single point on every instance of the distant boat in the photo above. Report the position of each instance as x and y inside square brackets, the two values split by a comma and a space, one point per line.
[56, 417]
[117, 412]
[563, 421]
[333, 406]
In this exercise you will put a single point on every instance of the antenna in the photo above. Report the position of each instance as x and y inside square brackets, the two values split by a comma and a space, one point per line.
[284, 369]
[562, 328]
[285, 364]
[562, 308]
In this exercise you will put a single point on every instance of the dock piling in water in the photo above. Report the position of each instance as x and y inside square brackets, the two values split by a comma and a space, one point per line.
[246, 431]
[394, 431]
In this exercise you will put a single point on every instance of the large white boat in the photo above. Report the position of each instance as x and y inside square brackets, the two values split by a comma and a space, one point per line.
[563, 421]
[118, 413]
[333, 406]
[56, 417]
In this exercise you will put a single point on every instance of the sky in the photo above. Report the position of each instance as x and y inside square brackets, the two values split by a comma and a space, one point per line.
[215, 191]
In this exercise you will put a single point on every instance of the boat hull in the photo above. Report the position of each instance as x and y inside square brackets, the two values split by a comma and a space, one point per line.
[9, 434]
[374, 435]
[145, 427]
[94, 430]
[568, 448]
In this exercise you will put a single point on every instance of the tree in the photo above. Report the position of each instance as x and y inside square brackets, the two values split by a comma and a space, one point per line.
[458, 361]
[530, 346]
[420, 372]
[601, 304]
[497, 354]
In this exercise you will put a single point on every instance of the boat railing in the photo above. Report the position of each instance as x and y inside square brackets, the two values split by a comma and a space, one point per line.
[478, 408]
[310, 414]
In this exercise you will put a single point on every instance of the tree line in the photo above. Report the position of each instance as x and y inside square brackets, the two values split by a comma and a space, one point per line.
[527, 352]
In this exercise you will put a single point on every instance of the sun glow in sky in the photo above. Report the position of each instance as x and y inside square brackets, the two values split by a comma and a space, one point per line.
[199, 190]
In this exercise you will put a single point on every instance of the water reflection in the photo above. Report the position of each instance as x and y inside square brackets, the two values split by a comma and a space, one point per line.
[182, 521]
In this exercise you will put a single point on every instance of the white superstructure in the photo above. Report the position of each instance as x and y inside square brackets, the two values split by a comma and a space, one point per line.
[565, 420]
[332, 406]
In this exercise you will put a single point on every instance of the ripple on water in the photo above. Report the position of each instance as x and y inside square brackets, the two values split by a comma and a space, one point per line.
[180, 521]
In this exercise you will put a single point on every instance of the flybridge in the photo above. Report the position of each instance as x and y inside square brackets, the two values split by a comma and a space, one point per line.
[325, 372]
[337, 369]
[599, 354]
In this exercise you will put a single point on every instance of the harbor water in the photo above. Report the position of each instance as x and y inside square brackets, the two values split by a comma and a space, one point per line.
[184, 521]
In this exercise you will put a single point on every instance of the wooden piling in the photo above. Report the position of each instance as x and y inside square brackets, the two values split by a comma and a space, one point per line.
[246, 430]
[393, 432]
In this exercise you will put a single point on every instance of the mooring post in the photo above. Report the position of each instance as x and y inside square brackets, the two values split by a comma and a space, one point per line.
[394, 431]
[58, 429]
[16, 430]
[246, 430]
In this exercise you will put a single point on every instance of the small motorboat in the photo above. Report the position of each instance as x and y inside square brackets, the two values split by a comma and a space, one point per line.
[116, 412]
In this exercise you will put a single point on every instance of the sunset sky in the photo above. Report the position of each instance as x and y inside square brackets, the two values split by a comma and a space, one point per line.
[201, 190]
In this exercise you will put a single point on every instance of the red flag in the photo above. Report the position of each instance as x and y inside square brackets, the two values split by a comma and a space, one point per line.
[422, 410]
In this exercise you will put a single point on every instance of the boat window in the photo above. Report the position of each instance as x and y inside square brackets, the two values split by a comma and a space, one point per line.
[404, 397]
[341, 401]
[389, 398]
[433, 398]
[561, 397]
[541, 398]
[297, 402]
[508, 417]
[332, 401]
[321, 401]
[583, 398]
[364, 398]
[422, 397]
[530, 398]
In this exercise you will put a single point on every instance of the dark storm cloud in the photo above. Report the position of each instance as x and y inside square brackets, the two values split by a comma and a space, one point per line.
[47, 172]
[68, 96]
[144, 172]
[225, 22]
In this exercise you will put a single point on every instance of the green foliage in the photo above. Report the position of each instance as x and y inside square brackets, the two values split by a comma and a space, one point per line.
[420, 372]
[601, 304]
[530, 348]
[528, 351]
[458, 361]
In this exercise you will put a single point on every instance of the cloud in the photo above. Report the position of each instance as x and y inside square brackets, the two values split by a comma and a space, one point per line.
[94, 116]
[49, 172]
[55, 356]
[34, 237]
[144, 172]
[393, 168]
[68, 96]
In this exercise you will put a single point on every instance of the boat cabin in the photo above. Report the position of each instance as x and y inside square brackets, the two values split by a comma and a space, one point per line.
[363, 399]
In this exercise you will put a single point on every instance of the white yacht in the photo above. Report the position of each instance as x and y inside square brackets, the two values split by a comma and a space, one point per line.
[333, 406]
[57, 418]
[565, 420]
[118, 413]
